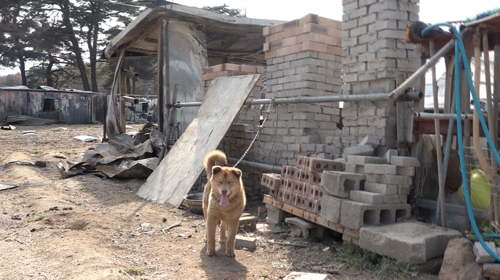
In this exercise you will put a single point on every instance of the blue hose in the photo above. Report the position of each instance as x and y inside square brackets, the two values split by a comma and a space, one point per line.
[459, 46]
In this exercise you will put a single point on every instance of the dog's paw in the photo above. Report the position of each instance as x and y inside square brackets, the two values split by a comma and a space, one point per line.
[210, 253]
[222, 241]
[230, 253]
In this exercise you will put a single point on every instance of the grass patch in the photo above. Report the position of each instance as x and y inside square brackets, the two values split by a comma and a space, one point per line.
[385, 267]
[31, 204]
[36, 219]
[135, 271]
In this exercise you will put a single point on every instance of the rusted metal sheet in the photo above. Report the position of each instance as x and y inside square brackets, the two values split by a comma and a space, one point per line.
[68, 106]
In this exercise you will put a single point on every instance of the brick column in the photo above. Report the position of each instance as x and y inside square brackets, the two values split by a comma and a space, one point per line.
[374, 53]
[303, 59]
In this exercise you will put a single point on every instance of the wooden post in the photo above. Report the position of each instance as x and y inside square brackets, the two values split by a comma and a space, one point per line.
[439, 146]
[123, 93]
[400, 120]
[491, 117]
[159, 76]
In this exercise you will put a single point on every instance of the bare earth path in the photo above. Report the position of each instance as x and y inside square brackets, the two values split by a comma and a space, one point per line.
[87, 227]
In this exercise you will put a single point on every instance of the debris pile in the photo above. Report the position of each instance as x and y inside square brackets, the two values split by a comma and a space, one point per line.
[122, 156]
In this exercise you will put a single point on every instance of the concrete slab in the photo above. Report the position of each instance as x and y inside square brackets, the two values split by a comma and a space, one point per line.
[412, 241]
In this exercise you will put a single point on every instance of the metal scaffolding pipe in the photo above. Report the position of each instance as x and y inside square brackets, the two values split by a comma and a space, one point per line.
[263, 166]
[309, 99]
[431, 116]
[401, 89]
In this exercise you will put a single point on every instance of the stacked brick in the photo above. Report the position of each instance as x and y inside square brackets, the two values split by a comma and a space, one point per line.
[208, 74]
[372, 190]
[303, 59]
[300, 185]
[374, 54]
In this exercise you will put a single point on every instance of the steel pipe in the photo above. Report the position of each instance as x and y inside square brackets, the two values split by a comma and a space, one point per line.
[401, 89]
[263, 166]
[308, 99]
[431, 116]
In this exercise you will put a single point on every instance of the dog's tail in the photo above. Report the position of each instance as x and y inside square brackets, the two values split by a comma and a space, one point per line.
[211, 159]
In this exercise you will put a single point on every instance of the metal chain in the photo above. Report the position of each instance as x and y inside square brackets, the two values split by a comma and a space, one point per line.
[271, 105]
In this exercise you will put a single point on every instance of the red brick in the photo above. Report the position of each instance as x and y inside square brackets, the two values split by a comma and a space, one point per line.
[310, 18]
[231, 67]
[208, 76]
[334, 50]
[248, 69]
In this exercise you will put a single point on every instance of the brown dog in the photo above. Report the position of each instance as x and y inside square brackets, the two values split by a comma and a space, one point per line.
[223, 200]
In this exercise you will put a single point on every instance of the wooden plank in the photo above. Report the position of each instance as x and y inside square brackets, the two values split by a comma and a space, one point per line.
[310, 217]
[180, 168]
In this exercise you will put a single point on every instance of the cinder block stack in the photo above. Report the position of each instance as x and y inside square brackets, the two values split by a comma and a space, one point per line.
[303, 59]
[372, 190]
[300, 185]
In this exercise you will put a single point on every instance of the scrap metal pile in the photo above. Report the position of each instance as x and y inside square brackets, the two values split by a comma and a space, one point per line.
[124, 156]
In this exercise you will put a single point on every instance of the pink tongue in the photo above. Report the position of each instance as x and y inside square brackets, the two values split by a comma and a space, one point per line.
[223, 200]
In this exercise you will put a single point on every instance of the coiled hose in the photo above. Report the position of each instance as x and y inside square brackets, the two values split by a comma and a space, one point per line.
[460, 51]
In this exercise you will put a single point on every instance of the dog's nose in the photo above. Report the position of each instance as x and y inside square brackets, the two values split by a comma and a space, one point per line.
[224, 191]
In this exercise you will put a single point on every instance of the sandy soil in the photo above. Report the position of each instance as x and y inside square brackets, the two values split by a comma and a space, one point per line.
[87, 227]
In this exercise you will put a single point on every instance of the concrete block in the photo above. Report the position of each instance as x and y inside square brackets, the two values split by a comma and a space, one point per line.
[392, 198]
[395, 180]
[286, 184]
[383, 169]
[373, 178]
[248, 223]
[287, 171]
[354, 168]
[310, 177]
[365, 150]
[300, 161]
[405, 170]
[413, 242]
[275, 216]
[319, 165]
[390, 153]
[380, 188]
[404, 190]
[347, 238]
[367, 197]
[355, 214]
[362, 160]
[405, 161]
[299, 227]
[339, 183]
[371, 140]
[330, 208]
[482, 256]
[299, 187]
[249, 243]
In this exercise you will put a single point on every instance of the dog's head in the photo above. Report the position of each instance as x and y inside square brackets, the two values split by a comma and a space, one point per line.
[226, 183]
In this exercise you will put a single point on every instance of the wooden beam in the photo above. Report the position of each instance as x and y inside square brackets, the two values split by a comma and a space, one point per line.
[311, 217]
[159, 76]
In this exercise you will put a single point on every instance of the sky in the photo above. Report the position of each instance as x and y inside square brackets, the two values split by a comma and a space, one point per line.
[431, 11]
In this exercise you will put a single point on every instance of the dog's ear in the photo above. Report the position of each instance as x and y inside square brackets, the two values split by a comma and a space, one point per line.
[236, 172]
[216, 169]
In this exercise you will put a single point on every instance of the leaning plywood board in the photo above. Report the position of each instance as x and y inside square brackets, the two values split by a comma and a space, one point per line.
[180, 168]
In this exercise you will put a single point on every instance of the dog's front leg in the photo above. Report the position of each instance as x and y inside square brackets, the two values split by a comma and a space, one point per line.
[223, 226]
[211, 226]
[232, 230]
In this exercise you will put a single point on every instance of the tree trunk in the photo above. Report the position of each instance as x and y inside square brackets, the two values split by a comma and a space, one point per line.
[22, 63]
[74, 45]
[48, 71]
[92, 36]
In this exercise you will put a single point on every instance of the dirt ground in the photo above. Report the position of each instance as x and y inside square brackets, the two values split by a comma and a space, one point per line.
[87, 227]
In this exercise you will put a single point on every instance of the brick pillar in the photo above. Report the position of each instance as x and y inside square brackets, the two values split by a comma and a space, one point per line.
[374, 53]
[303, 59]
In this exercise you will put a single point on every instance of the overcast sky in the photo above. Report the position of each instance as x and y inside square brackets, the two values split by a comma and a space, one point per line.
[431, 11]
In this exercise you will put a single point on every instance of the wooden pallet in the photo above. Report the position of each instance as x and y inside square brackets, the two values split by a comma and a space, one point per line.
[353, 233]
